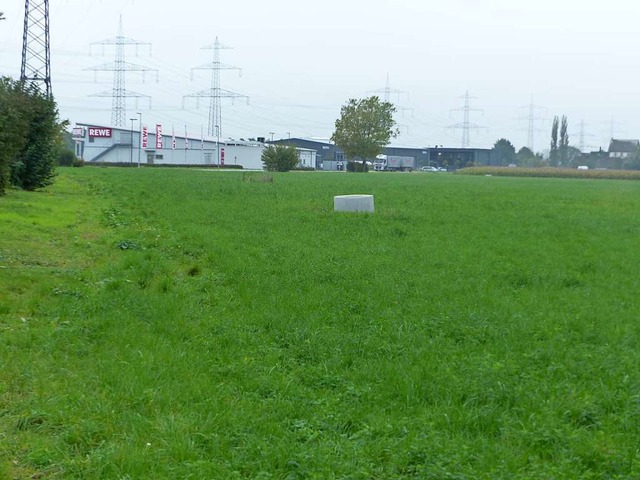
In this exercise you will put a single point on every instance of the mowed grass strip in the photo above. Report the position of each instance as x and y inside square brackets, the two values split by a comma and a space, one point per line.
[193, 324]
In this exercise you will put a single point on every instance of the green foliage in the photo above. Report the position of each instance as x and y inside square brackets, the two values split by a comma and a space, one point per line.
[632, 162]
[66, 158]
[30, 134]
[563, 147]
[14, 126]
[224, 346]
[574, 156]
[505, 152]
[357, 167]
[553, 152]
[280, 158]
[526, 158]
[364, 128]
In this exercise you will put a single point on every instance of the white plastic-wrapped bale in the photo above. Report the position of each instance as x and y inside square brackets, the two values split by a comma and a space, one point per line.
[353, 203]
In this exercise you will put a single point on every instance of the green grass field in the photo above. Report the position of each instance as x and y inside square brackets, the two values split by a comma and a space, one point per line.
[182, 324]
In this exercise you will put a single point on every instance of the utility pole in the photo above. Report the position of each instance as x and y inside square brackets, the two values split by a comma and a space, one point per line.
[466, 126]
[36, 51]
[119, 93]
[216, 93]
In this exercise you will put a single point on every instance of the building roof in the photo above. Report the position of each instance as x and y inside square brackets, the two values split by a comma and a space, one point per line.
[624, 146]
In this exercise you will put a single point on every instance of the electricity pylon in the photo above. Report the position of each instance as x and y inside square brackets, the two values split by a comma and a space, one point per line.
[119, 93]
[216, 93]
[36, 52]
[466, 126]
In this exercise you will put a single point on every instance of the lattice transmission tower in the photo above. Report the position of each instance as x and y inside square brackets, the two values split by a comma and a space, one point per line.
[119, 67]
[387, 92]
[216, 93]
[36, 52]
[533, 120]
[466, 126]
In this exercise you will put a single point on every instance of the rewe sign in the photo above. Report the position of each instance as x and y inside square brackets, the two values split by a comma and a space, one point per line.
[99, 132]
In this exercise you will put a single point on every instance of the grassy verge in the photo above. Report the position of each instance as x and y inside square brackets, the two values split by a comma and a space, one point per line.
[163, 323]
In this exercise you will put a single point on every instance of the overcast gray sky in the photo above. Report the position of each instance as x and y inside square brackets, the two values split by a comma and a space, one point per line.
[302, 60]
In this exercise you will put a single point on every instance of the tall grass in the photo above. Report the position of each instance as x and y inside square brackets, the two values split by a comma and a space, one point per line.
[191, 324]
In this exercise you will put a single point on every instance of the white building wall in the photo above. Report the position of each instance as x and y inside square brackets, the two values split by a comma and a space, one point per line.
[119, 148]
[307, 158]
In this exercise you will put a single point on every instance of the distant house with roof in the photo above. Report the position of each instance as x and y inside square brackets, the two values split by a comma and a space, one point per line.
[623, 148]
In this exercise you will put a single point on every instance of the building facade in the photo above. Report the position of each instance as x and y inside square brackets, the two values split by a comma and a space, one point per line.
[330, 157]
[118, 145]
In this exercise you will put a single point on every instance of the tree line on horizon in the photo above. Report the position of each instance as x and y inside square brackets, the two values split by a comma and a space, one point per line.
[561, 153]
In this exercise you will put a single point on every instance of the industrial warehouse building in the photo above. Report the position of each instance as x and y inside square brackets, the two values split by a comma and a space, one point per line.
[100, 144]
[118, 145]
[330, 157]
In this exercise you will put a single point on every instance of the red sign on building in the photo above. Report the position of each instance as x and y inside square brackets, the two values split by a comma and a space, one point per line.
[222, 156]
[97, 132]
[145, 137]
[158, 137]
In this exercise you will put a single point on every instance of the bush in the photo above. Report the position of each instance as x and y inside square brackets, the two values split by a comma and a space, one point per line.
[358, 167]
[66, 158]
[30, 134]
[43, 137]
[78, 162]
[280, 158]
[13, 128]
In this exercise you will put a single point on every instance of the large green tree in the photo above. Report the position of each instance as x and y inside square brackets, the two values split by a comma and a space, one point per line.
[633, 161]
[526, 158]
[563, 147]
[505, 152]
[364, 128]
[553, 152]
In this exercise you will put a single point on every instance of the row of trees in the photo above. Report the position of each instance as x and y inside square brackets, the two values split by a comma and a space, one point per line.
[561, 154]
[31, 136]
[566, 155]
[559, 151]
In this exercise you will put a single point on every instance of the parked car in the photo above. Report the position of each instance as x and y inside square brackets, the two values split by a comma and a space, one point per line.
[428, 168]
